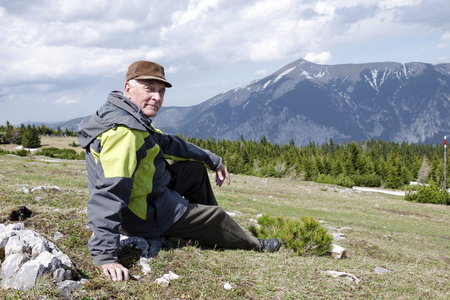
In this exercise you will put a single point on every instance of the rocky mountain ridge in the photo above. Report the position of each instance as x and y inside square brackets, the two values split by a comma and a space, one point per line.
[306, 102]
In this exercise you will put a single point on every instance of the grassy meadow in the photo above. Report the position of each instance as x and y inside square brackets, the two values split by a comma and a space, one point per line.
[412, 240]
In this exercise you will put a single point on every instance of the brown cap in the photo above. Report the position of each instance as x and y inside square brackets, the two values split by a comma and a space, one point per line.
[146, 70]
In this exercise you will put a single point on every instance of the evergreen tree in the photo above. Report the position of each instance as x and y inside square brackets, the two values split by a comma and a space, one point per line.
[16, 136]
[30, 138]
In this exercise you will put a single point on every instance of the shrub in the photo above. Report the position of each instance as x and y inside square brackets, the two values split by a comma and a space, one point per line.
[305, 237]
[4, 152]
[429, 194]
[61, 153]
[22, 152]
[345, 181]
[326, 178]
[340, 180]
[369, 180]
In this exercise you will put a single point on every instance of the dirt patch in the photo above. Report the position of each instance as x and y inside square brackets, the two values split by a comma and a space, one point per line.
[403, 213]
[19, 214]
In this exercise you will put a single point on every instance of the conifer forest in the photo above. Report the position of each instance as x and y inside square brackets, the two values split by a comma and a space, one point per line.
[372, 163]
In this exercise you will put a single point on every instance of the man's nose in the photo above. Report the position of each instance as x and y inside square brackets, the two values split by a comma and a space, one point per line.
[156, 96]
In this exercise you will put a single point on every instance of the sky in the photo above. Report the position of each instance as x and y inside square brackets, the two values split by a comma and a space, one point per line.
[60, 58]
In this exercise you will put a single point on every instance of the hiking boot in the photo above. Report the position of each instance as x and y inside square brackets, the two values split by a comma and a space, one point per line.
[270, 245]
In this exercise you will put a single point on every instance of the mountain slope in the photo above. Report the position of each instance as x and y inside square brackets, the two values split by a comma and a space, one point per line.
[309, 102]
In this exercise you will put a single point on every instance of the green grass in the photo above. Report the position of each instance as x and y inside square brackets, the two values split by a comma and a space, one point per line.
[411, 239]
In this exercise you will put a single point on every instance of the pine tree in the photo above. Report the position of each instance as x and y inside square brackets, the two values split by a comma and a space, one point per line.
[31, 138]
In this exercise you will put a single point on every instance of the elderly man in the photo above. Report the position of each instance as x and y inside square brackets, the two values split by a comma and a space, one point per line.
[134, 190]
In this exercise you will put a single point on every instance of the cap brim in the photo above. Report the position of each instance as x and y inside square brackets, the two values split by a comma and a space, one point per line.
[147, 77]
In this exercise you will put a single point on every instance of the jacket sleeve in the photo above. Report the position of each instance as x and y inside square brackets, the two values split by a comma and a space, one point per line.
[111, 161]
[177, 149]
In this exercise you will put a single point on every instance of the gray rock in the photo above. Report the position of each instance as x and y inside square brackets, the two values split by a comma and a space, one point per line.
[41, 188]
[338, 251]
[23, 190]
[68, 275]
[59, 275]
[28, 256]
[57, 235]
[381, 270]
[342, 275]
[25, 278]
[65, 288]
[337, 236]
[11, 265]
[15, 245]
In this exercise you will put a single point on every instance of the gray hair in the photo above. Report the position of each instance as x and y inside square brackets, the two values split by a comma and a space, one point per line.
[132, 83]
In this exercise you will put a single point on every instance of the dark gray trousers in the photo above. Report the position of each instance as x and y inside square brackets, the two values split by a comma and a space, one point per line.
[205, 221]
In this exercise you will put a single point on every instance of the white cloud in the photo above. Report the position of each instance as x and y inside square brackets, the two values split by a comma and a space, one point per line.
[196, 9]
[67, 100]
[319, 58]
[154, 54]
[51, 46]
[444, 41]
[260, 73]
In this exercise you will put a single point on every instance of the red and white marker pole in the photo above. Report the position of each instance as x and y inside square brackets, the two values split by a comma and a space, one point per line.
[445, 163]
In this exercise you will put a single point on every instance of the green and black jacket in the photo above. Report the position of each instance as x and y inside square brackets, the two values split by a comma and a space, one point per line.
[128, 175]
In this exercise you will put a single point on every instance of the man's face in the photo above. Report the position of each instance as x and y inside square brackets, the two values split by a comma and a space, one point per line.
[147, 94]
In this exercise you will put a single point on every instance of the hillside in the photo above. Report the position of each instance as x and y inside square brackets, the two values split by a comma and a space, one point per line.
[411, 241]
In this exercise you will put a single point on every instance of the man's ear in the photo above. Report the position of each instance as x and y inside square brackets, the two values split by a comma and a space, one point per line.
[126, 89]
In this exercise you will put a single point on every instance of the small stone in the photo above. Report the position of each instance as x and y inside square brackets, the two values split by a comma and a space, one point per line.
[227, 286]
[145, 266]
[171, 276]
[57, 236]
[67, 286]
[162, 282]
[381, 270]
[58, 275]
[68, 275]
[347, 276]
[338, 236]
[338, 252]
[24, 190]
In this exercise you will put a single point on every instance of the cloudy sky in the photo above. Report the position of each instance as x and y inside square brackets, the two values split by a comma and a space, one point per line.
[60, 58]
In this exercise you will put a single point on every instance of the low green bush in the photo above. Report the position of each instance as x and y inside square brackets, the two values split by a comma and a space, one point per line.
[61, 153]
[305, 237]
[4, 152]
[22, 152]
[340, 180]
[429, 194]
[368, 180]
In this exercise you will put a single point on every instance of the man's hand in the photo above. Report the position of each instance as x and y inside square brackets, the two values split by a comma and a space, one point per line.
[115, 271]
[221, 175]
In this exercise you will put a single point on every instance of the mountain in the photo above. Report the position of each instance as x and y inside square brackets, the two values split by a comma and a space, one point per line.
[307, 102]
[70, 125]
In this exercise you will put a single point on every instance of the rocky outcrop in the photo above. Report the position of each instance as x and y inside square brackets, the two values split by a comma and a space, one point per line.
[26, 256]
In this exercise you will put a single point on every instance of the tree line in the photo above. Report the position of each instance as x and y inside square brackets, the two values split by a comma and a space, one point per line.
[29, 136]
[373, 163]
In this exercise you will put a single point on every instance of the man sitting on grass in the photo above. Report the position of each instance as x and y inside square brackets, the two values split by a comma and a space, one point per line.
[133, 189]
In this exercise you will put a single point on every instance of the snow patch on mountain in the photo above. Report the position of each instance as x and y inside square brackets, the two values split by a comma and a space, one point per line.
[283, 74]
